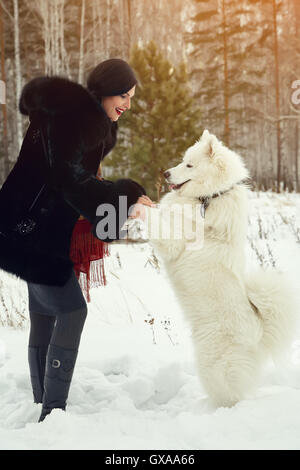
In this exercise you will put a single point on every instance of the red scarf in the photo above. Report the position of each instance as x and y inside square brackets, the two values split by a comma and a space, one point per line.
[84, 249]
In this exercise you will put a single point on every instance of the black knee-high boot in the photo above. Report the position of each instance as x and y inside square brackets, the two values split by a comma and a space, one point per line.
[41, 328]
[37, 361]
[60, 364]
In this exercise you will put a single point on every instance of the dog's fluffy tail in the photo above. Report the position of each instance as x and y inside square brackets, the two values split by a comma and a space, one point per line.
[277, 304]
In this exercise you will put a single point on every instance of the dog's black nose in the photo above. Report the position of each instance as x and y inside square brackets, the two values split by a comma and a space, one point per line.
[167, 174]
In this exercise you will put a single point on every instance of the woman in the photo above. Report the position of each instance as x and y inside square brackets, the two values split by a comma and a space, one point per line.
[53, 182]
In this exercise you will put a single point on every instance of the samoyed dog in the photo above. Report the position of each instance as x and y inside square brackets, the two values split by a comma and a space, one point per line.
[238, 320]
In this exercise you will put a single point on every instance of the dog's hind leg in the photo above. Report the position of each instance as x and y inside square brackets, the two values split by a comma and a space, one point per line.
[277, 304]
[229, 378]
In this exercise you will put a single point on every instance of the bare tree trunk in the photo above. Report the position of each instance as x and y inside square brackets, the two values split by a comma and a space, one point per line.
[18, 78]
[44, 12]
[129, 20]
[121, 23]
[52, 14]
[296, 157]
[52, 40]
[277, 91]
[81, 46]
[297, 17]
[225, 55]
[297, 136]
[57, 63]
[3, 105]
[95, 33]
[100, 36]
[107, 28]
[63, 53]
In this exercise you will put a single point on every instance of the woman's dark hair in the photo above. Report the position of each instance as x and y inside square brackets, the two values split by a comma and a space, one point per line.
[110, 78]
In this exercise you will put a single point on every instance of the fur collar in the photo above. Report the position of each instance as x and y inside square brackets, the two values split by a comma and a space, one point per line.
[65, 102]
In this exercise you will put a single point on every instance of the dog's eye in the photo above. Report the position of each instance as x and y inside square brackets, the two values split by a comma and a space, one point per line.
[189, 166]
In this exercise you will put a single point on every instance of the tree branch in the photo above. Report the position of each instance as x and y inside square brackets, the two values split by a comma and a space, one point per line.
[89, 33]
[283, 117]
[6, 11]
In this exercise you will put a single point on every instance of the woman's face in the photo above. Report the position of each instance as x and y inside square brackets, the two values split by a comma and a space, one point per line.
[114, 106]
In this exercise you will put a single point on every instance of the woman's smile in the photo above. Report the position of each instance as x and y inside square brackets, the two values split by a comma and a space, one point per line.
[116, 105]
[120, 111]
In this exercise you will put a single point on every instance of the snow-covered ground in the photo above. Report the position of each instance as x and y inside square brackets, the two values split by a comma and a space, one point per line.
[135, 384]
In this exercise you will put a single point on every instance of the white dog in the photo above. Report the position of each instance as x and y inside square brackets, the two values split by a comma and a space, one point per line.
[237, 320]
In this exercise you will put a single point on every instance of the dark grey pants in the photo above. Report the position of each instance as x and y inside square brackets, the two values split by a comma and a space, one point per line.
[57, 314]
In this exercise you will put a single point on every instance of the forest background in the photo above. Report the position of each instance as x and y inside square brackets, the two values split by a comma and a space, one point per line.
[231, 66]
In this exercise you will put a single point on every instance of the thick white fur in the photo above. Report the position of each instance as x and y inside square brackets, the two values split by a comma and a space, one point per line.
[231, 340]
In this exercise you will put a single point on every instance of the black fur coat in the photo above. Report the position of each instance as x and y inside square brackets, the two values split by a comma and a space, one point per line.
[53, 180]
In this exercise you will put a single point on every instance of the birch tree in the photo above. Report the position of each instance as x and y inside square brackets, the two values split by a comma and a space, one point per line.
[277, 92]
[55, 56]
[18, 77]
[3, 104]
[225, 62]
[108, 12]
[81, 47]
[297, 128]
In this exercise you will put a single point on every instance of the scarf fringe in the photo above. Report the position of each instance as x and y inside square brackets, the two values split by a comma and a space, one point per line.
[87, 254]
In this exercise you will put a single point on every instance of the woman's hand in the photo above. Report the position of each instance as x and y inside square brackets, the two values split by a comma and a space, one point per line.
[138, 211]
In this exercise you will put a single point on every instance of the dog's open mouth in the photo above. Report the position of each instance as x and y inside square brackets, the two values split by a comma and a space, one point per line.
[177, 186]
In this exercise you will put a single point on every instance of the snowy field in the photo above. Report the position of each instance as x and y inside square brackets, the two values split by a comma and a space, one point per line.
[135, 383]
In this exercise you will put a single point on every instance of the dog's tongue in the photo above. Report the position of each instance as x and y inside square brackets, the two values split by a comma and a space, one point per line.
[172, 186]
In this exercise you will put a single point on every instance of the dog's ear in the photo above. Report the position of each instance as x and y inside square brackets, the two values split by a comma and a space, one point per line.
[205, 134]
[212, 143]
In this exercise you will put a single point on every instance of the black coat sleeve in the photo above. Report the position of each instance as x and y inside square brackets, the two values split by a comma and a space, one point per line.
[105, 204]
